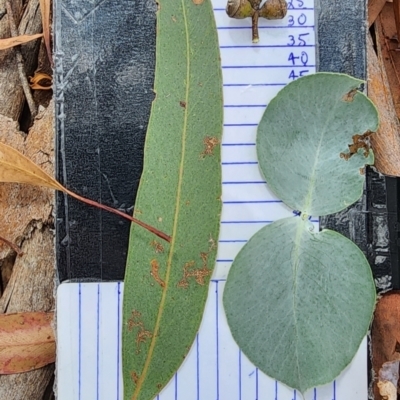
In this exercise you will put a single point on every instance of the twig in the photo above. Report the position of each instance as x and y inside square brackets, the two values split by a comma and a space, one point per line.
[20, 62]
[12, 245]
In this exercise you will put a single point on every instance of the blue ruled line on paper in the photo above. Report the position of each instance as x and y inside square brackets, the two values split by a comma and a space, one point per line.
[198, 366]
[264, 46]
[240, 374]
[217, 334]
[246, 222]
[244, 183]
[238, 144]
[256, 383]
[80, 341]
[246, 106]
[252, 201]
[276, 390]
[98, 343]
[240, 124]
[118, 336]
[254, 84]
[240, 163]
[267, 27]
[315, 394]
[233, 241]
[265, 66]
[176, 386]
[291, 9]
[334, 390]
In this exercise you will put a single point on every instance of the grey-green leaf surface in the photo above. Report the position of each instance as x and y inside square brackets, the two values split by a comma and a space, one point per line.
[166, 284]
[299, 302]
[303, 143]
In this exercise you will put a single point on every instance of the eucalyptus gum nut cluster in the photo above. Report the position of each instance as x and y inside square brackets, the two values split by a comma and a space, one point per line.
[299, 302]
[271, 9]
[239, 9]
[274, 9]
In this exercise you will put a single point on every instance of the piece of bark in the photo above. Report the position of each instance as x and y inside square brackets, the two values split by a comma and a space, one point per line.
[26, 215]
[20, 204]
[387, 44]
[12, 98]
[374, 8]
[386, 141]
[385, 334]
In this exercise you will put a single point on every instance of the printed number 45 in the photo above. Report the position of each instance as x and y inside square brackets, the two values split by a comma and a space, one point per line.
[300, 41]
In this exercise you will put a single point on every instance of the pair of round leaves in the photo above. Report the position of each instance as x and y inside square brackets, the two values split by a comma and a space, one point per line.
[299, 302]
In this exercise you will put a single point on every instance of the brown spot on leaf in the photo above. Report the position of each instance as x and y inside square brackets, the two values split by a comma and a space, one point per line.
[174, 18]
[135, 377]
[155, 266]
[209, 144]
[158, 247]
[359, 142]
[349, 97]
[199, 274]
[197, 2]
[159, 386]
[182, 104]
[135, 323]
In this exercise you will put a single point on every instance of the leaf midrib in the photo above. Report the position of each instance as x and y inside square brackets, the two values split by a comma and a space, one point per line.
[308, 201]
[142, 377]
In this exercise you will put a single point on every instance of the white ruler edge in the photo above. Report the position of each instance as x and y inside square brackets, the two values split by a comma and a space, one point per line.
[89, 314]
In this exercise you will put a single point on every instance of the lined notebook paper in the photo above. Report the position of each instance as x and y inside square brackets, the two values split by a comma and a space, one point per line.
[89, 314]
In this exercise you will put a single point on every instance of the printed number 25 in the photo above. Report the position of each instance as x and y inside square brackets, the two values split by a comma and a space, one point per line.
[300, 41]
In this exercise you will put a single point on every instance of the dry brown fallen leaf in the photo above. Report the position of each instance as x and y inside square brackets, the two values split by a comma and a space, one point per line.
[38, 77]
[45, 6]
[385, 338]
[15, 167]
[26, 341]
[17, 40]
[387, 390]
[388, 380]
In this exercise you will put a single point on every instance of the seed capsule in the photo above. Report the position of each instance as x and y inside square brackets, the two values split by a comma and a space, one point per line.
[274, 9]
[239, 9]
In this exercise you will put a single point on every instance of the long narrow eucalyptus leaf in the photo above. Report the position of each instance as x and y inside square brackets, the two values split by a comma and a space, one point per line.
[166, 284]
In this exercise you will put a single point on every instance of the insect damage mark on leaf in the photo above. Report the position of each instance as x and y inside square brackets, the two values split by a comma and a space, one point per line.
[197, 2]
[209, 144]
[135, 377]
[359, 142]
[182, 104]
[158, 247]
[199, 274]
[142, 334]
[154, 272]
[349, 97]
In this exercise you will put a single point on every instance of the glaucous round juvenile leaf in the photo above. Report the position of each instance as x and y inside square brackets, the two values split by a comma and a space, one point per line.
[311, 143]
[299, 303]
